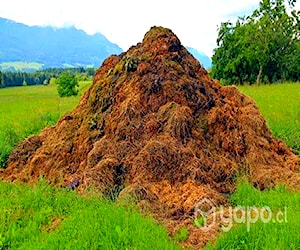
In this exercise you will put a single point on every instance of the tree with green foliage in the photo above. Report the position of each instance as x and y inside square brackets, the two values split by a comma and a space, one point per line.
[67, 85]
[263, 46]
[1, 80]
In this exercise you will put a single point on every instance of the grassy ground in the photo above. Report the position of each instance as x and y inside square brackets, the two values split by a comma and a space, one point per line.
[43, 217]
[282, 232]
[24, 111]
[280, 105]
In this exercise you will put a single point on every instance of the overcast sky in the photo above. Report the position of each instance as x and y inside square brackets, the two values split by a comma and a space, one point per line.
[126, 22]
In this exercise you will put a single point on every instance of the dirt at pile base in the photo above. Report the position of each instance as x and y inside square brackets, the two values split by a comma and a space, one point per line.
[154, 125]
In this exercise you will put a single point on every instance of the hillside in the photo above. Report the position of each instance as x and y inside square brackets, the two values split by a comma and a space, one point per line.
[51, 47]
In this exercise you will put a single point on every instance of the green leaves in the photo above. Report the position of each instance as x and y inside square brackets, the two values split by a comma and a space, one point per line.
[261, 46]
[67, 85]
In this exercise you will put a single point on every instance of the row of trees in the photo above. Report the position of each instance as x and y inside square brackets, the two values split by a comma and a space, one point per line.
[9, 79]
[263, 47]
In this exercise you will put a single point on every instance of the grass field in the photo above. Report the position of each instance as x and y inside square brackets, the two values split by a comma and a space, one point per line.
[24, 111]
[42, 217]
[280, 105]
[281, 232]
[20, 66]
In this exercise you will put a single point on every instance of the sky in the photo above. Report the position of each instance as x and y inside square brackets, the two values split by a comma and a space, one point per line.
[126, 22]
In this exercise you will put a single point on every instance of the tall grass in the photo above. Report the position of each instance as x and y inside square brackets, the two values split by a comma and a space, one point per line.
[43, 217]
[276, 234]
[280, 105]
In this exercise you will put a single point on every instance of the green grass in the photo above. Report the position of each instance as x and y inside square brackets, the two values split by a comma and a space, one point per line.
[24, 111]
[43, 217]
[21, 66]
[280, 105]
[272, 235]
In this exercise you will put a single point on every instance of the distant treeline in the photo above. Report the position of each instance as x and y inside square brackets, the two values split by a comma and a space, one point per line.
[10, 79]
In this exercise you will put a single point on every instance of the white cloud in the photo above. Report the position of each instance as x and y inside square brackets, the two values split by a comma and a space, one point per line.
[125, 22]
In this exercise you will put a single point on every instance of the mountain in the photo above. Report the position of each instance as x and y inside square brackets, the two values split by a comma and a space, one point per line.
[26, 47]
[52, 47]
[201, 57]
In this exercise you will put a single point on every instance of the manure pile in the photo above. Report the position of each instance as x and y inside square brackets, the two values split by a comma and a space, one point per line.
[154, 125]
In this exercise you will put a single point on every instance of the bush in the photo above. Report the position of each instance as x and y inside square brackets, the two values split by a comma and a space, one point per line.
[67, 85]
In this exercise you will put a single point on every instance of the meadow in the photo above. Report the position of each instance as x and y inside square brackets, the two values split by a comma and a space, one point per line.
[24, 111]
[280, 105]
[281, 232]
[43, 217]
[21, 66]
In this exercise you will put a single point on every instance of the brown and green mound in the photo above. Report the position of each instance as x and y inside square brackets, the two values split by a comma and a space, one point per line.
[155, 125]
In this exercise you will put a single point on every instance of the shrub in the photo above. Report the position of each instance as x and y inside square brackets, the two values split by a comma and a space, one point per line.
[67, 85]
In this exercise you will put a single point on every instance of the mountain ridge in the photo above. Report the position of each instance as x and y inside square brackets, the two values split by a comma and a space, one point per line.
[23, 43]
[30, 48]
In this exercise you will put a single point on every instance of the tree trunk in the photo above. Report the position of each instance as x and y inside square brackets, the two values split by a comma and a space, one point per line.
[241, 80]
[259, 75]
[283, 75]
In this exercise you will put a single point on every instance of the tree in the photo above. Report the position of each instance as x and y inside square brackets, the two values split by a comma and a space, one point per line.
[260, 46]
[230, 64]
[67, 85]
